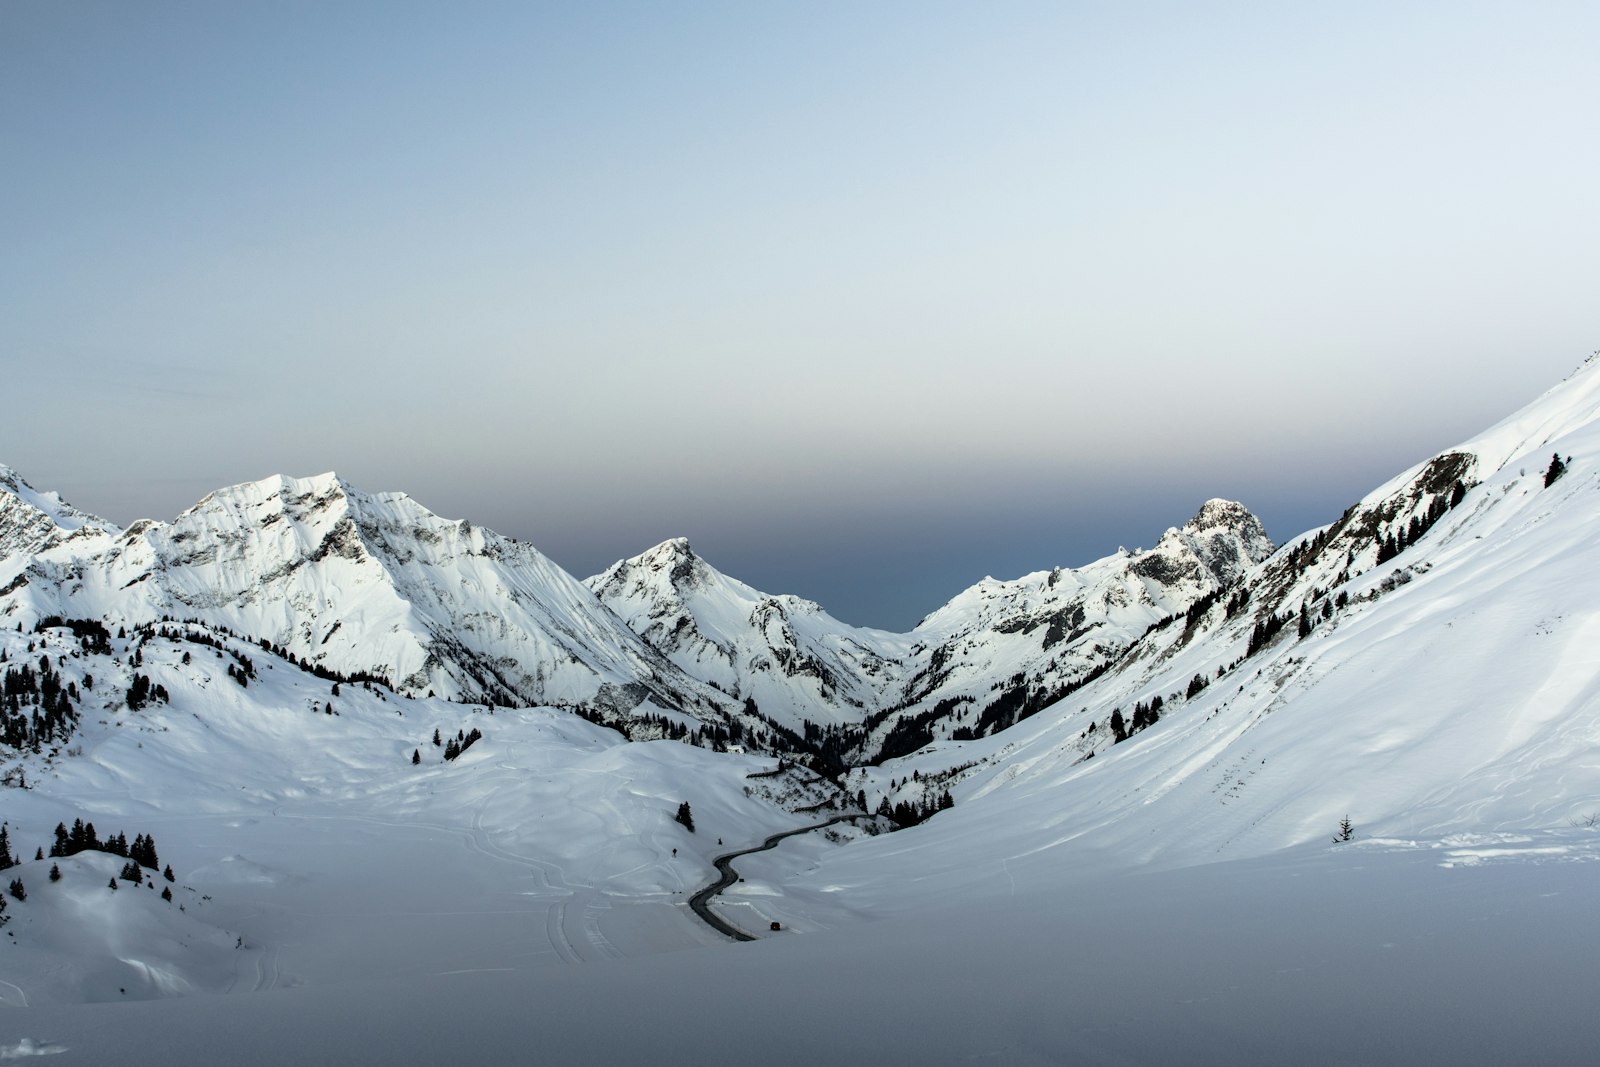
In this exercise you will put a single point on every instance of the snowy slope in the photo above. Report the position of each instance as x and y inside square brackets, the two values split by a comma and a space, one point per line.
[309, 848]
[1451, 693]
[358, 582]
[1052, 628]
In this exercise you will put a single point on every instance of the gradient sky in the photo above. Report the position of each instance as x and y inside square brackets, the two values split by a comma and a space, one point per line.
[868, 300]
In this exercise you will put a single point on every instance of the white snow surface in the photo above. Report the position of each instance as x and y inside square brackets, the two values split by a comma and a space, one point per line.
[311, 841]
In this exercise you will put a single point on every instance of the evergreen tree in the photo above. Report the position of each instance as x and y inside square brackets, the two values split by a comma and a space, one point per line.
[55, 873]
[112, 884]
[17, 889]
[166, 893]
[167, 874]
[1346, 831]
[416, 757]
[685, 816]
[1557, 469]
[5, 849]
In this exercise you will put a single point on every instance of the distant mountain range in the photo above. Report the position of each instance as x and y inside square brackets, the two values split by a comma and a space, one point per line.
[375, 584]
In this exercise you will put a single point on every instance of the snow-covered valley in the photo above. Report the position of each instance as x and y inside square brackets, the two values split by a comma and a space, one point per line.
[1148, 761]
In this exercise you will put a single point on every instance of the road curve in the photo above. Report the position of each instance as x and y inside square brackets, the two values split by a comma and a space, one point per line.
[701, 901]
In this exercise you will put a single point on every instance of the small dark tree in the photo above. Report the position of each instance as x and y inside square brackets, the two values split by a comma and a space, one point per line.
[416, 756]
[17, 889]
[166, 893]
[55, 873]
[167, 874]
[5, 849]
[685, 816]
[436, 740]
[1557, 469]
[1346, 831]
[1119, 728]
[112, 884]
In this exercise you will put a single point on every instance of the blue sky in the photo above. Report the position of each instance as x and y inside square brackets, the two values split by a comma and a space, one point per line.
[868, 300]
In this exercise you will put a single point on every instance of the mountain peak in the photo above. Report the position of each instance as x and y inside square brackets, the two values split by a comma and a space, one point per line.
[1226, 537]
[31, 521]
[671, 547]
[1221, 512]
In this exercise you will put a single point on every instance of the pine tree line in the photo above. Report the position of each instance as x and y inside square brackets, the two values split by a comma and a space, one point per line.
[52, 718]
[1399, 539]
[460, 742]
[906, 813]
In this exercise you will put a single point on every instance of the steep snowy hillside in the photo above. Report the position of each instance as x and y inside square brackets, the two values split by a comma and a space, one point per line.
[1000, 651]
[31, 521]
[1448, 695]
[321, 834]
[364, 583]
[788, 656]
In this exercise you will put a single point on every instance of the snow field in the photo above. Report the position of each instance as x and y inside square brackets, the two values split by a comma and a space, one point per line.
[550, 840]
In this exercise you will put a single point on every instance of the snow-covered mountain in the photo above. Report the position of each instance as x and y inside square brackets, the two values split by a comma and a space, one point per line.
[787, 655]
[1001, 650]
[375, 584]
[31, 521]
[357, 583]
[1001, 647]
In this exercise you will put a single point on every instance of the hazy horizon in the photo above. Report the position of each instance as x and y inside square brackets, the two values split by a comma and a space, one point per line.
[868, 301]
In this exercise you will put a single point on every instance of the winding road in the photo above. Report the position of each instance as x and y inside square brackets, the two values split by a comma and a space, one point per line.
[701, 901]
